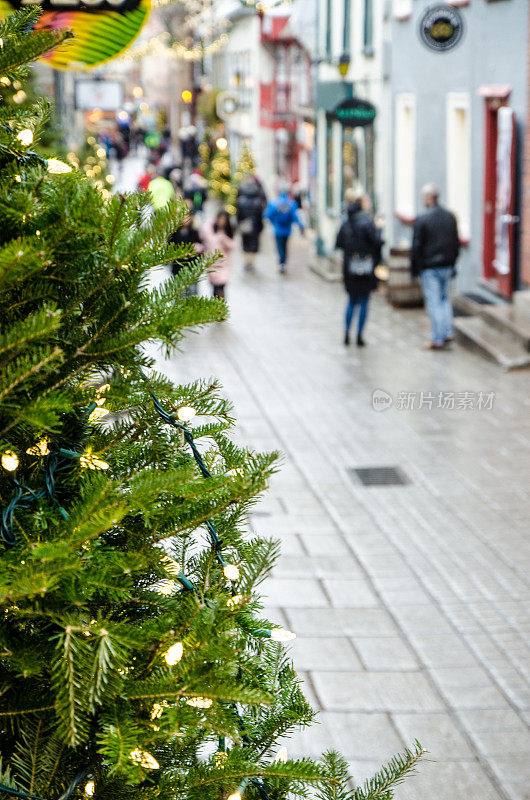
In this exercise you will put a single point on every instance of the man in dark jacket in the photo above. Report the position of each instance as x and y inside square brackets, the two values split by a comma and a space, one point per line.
[435, 248]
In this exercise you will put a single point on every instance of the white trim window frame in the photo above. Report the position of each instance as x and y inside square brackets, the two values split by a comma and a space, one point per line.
[405, 156]
[458, 159]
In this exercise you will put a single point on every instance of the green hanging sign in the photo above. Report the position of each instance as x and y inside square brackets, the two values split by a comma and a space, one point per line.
[354, 112]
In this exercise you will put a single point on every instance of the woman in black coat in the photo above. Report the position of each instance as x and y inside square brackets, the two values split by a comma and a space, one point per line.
[360, 240]
[250, 219]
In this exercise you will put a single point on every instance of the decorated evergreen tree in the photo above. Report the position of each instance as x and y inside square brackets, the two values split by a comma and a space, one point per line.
[220, 180]
[134, 661]
[245, 164]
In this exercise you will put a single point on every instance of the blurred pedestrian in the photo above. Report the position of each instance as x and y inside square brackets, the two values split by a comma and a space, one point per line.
[360, 240]
[162, 191]
[250, 219]
[283, 213]
[219, 237]
[145, 179]
[435, 249]
[187, 234]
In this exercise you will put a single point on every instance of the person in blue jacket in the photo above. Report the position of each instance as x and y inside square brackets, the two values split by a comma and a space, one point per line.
[283, 212]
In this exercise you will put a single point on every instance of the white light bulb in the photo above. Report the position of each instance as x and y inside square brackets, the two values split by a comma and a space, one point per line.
[89, 788]
[282, 635]
[174, 654]
[56, 167]
[144, 759]
[25, 137]
[186, 414]
[10, 461]
[199, 702]
[231, 572]
[281, 756]
[235, 796]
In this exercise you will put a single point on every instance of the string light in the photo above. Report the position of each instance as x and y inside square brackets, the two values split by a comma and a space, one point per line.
[174, 654]
[166, 588]
[144, 759]
[235, 796]
[235, 601]
[98, 413]
[90, 788]
[56, 167]
[39, 449]
[90, 461]
[199, 702]
[10, 461]
[18, 178]
[282, 635]
[25, 137]
[186, 414]
[231, 572]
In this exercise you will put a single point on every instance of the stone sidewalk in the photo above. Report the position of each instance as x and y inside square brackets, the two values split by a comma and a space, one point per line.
[410, 601]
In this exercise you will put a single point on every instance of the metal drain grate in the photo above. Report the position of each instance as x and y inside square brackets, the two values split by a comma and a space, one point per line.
[379, 476]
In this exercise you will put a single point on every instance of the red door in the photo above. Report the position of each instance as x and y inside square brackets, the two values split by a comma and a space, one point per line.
[499, 198]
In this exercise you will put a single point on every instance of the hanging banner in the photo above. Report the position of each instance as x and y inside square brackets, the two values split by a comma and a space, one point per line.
[102, 29]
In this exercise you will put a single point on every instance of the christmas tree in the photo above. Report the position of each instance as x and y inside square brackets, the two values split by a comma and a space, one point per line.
[220, 180]
[134, 661]
[245, 164]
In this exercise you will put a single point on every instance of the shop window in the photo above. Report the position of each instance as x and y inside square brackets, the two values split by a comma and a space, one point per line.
[458, 160]
[330, 165]
[352, 161]
[405, 157]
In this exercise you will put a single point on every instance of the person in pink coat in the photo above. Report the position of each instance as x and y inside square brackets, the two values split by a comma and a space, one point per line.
[219, 236]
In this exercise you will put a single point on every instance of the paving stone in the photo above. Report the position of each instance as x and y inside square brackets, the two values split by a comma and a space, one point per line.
[299, 592]
[468, 687]
[513, 769]
[376, 691]
[385, 653]
[362, 736]
[341, 621]
[437, 733]
[323, 653]
[448, 780]
[351, 593]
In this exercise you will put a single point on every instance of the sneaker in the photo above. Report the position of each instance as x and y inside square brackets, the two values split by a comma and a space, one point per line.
[432, 346]
[346, 338]
[360, 341]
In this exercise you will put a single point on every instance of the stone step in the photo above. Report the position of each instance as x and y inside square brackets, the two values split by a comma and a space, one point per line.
[510, 320]
[477, 334]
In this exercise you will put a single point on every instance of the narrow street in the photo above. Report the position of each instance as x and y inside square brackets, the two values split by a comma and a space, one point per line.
[409, 601]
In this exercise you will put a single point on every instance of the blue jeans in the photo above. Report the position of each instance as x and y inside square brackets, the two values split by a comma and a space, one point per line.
[362, 302]
[436, 285]
[281, 244]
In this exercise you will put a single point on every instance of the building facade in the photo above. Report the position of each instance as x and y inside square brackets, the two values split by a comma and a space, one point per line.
[459, 114]
[352, 108]
[268, 72]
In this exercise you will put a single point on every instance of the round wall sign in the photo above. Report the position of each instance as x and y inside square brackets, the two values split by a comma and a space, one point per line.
[102, 29]
[441, 27]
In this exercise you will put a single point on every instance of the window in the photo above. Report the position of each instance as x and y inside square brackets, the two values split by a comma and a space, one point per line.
[458, 159]
[402, 9]
[347, 27]
[368, 30]
[405, 157]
